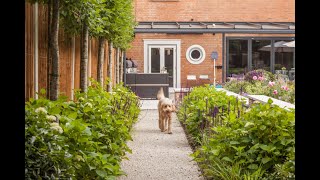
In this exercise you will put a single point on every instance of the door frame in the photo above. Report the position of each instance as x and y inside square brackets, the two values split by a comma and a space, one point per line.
[176, 43]
[162, 59]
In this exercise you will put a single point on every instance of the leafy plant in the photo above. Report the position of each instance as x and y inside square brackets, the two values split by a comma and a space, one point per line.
[88, 141]
[262, 141]
[196, 106]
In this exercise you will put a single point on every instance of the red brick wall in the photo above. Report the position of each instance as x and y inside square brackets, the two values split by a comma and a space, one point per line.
[209, 42]
[216, 10]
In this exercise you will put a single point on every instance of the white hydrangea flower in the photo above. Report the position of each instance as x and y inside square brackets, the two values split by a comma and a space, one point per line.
[41, 110]
[51, 118]
[55, 126]
[67, 155]
[88, 104]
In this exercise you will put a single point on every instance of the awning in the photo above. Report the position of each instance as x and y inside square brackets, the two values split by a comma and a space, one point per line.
[215, 27]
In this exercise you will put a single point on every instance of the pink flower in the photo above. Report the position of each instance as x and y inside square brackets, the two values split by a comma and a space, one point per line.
[260, 78]
[285, 88]
[275, 92]
[254, 78]
[271, 83]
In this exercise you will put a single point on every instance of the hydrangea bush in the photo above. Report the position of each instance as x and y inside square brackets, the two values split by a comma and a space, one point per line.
[82, 139]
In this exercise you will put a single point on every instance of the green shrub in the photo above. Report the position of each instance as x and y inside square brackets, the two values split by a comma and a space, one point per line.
[236, 86]
[263, 140]
[196, 102]
[92, 138]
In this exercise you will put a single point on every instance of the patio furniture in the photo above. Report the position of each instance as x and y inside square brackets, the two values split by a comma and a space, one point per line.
[147, 85]
[291, 74]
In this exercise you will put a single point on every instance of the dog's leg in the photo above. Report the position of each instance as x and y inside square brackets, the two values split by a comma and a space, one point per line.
[166, 123]
[159, 119]
[162, 123]
[169, 125]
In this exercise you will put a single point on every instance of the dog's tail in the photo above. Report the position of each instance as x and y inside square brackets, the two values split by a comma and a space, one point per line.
[160, 94]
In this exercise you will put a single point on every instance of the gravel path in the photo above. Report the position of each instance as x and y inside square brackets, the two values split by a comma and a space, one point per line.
[157, 155]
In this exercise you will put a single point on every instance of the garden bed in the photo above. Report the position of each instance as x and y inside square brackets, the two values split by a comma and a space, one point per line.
[232, 142]
[261, 82]
[82, 139]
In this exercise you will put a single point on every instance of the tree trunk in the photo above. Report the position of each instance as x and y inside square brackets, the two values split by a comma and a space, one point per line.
[84, 59]
[54, 88]
[117, 65]
[100, 61]
[110, 47]
[121, 67]
[49, 49]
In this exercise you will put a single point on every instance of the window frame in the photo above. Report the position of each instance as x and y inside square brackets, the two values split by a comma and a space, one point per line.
[249, 59]
[202, 54]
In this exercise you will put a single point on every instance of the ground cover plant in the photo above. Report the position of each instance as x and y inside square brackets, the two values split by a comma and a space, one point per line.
[81, 139]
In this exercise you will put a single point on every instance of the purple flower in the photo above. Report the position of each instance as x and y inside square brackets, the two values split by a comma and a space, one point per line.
[254, 78]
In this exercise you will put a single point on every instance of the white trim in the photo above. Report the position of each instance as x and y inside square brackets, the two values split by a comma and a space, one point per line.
[36, 60]
[201, 50]
[72, 66]
[168, 42]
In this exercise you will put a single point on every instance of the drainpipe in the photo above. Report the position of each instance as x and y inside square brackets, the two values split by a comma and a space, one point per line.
[72, 66]
[35, 55]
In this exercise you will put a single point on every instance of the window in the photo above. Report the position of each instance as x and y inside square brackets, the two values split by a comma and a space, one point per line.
[261, 51]
[238, 57]
[249, 53]
[195, 54]
[283, 55]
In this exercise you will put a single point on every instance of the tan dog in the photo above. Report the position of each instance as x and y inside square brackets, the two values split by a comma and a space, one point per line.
[165, 108]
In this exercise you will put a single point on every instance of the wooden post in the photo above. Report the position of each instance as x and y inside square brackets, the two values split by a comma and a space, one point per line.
[89, 61]
[117, 66]
[35, 57]
[73, 44]
[121, 66]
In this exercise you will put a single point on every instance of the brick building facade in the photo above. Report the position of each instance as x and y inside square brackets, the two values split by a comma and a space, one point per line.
[237, 30]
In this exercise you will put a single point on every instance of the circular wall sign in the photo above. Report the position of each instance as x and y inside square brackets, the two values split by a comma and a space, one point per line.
[195, 54]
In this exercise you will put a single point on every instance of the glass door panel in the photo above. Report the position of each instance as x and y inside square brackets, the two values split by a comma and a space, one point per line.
[155, 60]
[168, 63]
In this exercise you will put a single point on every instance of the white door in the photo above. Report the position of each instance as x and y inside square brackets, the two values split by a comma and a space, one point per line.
[161, 56]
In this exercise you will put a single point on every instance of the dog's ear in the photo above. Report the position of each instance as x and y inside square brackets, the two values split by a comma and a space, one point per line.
[161, 106]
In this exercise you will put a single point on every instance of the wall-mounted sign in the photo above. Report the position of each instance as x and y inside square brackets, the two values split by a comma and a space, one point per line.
[214, 55]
